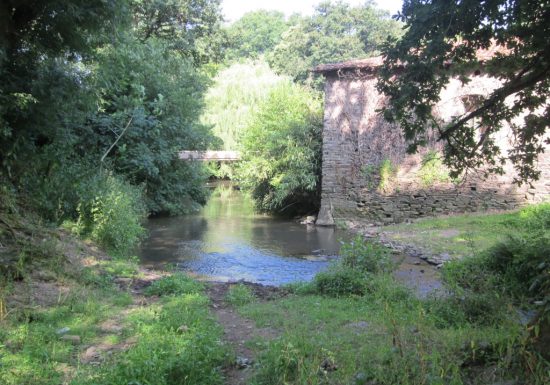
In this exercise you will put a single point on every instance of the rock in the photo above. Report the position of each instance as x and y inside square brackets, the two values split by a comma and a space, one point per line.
[182, 329]
[318, 251]
[363, 378]
[62, 331]
[75, 340]
[328, 365]
[243, 362]
[445, 257]
[358, 325]
[324, 218]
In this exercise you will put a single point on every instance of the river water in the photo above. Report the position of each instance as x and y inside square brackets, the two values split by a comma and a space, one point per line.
[228, 241]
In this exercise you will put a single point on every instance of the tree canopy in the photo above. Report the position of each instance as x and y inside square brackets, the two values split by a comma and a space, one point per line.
[91, 90]
[443, 39]
[255, 34]
[335, 32]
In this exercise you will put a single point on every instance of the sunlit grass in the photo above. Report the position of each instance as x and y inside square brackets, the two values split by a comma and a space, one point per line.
[459, 235]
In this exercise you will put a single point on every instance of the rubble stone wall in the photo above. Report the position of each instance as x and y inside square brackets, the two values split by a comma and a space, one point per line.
[367, 172]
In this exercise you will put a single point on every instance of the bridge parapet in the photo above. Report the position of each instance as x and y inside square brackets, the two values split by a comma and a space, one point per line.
[207, 156]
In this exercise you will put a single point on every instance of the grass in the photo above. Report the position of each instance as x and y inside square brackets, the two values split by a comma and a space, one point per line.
[172, 340]
[239, 294]
[457, 234]
[387, 337]
[470, 333]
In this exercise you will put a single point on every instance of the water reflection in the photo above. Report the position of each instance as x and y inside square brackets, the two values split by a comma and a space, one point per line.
[227, 240]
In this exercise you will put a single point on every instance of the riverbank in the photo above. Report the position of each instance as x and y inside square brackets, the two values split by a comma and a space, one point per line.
[85, 318]
[91, 319]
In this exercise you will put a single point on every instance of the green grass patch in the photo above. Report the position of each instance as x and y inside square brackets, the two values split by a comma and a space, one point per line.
[467, 234]
[174, 340]
[386, 337]
[355, 324]
[175, 284]
[239, 295]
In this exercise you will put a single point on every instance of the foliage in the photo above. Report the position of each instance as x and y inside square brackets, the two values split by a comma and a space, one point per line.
[357, 271]
[432, 170]
[104, 85]
[255, 34]
[191, 27]
[281, 151]
[235, 95]
[476, 294]
[111, 212]
[442, 40]
[154, 110]
[335, 32]
[340, 281]
[386, 172]
[368, 257]
[174, 284]
[239, 295]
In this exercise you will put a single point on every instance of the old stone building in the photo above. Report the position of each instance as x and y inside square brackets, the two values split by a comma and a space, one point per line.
[367, 172]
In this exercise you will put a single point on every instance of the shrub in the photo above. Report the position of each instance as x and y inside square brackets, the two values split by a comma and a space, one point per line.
[366, 256]
[340, 281]
[175, 284]
[281, 151]
[239, 295]
[111, 212]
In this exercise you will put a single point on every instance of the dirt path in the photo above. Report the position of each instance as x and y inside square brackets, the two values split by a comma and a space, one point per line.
[239, 330]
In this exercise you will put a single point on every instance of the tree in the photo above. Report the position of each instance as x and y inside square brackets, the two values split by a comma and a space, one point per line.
[192, 27]
[443, 39]
[255, 34]
[154, 109]
[281, 151]
[335, 32]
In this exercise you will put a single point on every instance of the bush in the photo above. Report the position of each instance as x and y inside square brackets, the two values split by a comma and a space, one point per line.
[175, 284]
[281, 151]
[476, 294]
[366, 256]
[111, 212]
[340, 281]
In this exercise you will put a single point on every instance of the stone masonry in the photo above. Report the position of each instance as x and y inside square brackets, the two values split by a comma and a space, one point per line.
[366, 171]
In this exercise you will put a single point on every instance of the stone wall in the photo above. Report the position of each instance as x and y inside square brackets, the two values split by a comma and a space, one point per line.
[367, 172]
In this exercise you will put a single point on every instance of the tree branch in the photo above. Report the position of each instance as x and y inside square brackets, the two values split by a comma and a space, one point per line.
[499, 95]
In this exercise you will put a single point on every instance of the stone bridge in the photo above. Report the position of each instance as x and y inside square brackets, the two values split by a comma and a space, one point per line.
[208, 156]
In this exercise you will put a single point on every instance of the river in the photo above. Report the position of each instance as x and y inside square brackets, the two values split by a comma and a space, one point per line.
[228, 241]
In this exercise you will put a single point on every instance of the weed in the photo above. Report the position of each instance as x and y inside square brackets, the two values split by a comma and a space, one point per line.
[239, 295]
[433, 170]
[175, 284]
[340, 281]
[387, 172]
[365, 256]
